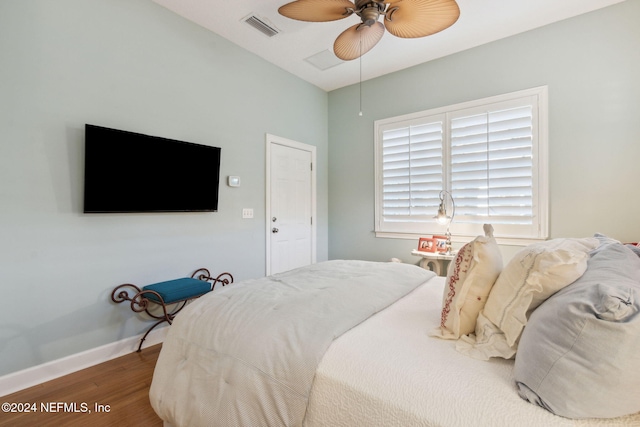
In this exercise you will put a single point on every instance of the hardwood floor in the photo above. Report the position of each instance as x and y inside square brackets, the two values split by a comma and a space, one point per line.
[120, 385]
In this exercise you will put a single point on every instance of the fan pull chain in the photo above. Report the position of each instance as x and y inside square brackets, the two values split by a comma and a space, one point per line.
[360, 85]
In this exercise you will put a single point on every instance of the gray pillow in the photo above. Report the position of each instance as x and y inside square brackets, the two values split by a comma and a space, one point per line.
[635, 249]
[579, 355]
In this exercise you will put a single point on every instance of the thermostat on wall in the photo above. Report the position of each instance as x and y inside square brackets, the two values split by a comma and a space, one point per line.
[233, 181]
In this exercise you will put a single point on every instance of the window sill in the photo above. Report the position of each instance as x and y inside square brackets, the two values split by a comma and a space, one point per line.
[507, 241]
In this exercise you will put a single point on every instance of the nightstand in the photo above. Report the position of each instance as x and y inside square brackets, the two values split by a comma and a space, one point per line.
[434, 261]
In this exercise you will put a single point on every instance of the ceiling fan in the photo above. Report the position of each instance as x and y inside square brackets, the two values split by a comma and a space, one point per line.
[402, 18]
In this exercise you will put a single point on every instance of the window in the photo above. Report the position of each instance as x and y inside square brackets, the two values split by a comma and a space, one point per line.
[490, 154]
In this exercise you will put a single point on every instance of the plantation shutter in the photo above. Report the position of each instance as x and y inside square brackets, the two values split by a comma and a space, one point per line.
[492, 166]
[489, 154]
[412, 171]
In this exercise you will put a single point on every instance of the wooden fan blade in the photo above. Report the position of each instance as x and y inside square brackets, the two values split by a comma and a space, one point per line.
[420, 18]
[354, 42]
[317, 10]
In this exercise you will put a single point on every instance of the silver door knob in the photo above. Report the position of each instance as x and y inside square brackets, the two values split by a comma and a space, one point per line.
[274, 230]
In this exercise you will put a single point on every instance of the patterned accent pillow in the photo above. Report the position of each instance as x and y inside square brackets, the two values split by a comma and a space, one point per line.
[469, 280]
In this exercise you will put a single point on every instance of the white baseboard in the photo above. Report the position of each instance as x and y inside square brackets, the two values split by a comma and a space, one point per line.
[35, 375]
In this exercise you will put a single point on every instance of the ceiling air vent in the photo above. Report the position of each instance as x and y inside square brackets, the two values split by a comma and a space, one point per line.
[324, 60]
[261, 26]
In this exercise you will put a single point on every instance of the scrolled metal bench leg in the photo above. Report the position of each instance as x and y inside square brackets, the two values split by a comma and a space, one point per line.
[149, 330]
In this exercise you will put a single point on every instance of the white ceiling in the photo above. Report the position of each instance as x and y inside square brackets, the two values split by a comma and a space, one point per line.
[480, 22]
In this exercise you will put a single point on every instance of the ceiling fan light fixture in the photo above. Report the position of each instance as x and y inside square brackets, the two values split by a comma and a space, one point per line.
[370, 15]
[403, 18]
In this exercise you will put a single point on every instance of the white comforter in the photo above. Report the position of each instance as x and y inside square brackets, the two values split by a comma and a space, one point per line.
[246, 355]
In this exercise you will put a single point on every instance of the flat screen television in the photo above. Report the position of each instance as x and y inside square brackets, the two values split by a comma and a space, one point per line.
[132, 172]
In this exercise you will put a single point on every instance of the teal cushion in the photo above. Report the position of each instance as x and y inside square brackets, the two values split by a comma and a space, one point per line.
[177, 290]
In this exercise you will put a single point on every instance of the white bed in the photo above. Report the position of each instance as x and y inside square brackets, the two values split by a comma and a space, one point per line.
[389, 372]
[386, 371]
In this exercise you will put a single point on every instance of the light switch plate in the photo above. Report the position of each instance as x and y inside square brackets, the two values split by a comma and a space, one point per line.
[247, 213]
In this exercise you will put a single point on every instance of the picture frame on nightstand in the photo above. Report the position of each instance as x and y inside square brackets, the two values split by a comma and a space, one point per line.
[427, 244]
[441, 243]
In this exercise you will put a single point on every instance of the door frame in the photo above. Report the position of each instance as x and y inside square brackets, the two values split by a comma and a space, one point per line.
[269, 141]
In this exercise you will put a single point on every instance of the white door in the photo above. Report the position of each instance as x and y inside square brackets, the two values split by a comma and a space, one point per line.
[290, 204]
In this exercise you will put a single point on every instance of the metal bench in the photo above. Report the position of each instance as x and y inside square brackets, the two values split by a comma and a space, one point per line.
[177, 293]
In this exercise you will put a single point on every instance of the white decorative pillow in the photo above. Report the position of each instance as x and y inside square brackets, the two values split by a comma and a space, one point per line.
[533, 275]
[469, 280]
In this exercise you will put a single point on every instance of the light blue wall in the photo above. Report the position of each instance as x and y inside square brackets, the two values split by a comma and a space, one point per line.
[591, 65]
[127, 64]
